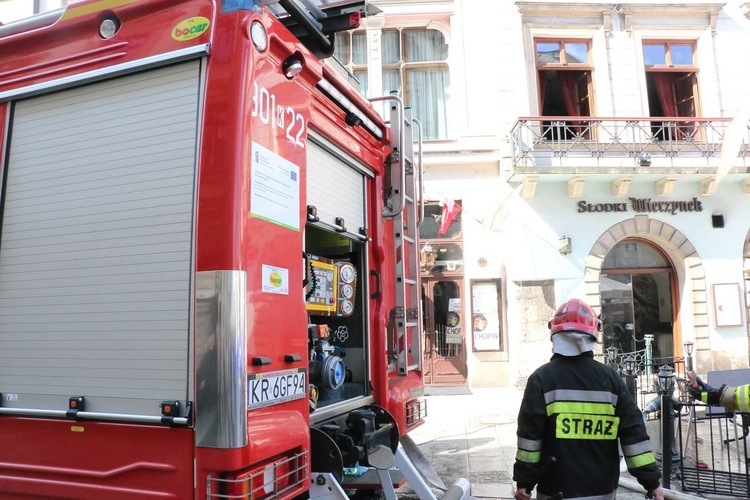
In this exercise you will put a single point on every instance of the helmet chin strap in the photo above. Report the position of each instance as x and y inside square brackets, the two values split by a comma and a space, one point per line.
[572, 343]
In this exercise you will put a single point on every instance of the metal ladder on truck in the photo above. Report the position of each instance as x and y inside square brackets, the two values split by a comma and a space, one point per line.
[406, 209]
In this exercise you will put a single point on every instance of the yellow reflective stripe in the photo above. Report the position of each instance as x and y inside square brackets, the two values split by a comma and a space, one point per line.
[532, 457]
[73, 11]
[704, 397]
[640, 460]
[594, 427]
[742, 398]
[580, 407]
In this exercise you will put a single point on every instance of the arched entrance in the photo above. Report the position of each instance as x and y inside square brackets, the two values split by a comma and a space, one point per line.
[638, 293]
[689, 305]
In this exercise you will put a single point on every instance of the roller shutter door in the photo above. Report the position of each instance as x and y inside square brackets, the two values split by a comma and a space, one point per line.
[335, 184]
[96, 244]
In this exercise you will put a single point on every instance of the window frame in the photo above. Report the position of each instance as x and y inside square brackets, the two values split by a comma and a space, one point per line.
[563, 55]
[572, 130]
[668, 64]
[405, 70]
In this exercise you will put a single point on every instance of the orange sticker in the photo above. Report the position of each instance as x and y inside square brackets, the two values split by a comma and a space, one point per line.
[190, 28]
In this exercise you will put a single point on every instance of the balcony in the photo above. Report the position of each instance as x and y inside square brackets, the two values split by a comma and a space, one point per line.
[644, 149]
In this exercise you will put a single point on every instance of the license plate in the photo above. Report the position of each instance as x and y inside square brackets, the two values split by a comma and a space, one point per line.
[272, 388]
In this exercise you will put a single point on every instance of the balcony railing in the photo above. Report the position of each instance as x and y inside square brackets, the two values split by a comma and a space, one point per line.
[622, 142]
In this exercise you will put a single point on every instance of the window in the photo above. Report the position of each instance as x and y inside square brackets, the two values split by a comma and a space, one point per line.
[414, 64]
[672, 86]
[350, 48]
[441, 239]
[565, 85]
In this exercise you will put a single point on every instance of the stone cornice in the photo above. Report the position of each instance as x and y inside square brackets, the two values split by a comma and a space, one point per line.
[697, 14]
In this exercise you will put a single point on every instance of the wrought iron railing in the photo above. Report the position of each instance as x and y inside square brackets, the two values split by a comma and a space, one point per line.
[548, 140]
[713, 452]
[643, 369]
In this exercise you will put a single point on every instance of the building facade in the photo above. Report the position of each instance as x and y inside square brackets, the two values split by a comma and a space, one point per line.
[571, 149]
[597, 150]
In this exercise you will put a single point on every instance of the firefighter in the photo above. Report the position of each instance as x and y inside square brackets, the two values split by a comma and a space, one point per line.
[573, 413]
[734, 399]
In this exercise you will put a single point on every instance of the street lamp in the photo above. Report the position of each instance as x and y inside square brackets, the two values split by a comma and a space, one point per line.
[630, 375]
[612, 355]
[688, 347]
[666, 386]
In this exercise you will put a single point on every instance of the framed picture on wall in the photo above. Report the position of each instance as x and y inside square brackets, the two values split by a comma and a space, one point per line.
[485, 306]
[727, 305]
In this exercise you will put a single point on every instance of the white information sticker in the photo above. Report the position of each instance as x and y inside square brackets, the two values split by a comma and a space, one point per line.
[274, 188]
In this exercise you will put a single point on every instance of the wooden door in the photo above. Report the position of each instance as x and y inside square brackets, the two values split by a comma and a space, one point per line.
[444, 339]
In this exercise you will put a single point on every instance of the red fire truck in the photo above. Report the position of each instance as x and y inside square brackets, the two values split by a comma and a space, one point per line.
[208, 256]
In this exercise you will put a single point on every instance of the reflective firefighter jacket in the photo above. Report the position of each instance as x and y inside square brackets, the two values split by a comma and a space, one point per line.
[733, 399]
[574, 411]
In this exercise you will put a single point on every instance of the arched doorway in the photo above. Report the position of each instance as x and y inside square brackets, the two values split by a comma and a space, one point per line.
[638, 293]
[691, 311]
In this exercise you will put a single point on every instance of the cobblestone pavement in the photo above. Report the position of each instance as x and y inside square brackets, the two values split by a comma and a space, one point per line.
[474, 437]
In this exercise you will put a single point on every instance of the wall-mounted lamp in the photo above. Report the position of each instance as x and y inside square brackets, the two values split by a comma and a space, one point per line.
[644, 159]
[565, 245]
[665, 186]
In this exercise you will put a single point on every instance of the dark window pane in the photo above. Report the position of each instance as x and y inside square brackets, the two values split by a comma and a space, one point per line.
[576, 53]
[433, 213]
[547, 52]
[655, 54]
[682, 54]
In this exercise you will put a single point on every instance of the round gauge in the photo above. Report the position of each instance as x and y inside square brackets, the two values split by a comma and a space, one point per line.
[348, 273]
[347, 307]
[347, 291]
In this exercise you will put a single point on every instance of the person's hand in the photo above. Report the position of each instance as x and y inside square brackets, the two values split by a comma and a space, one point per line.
[524, 494]
[697, 387]
[657, 494]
